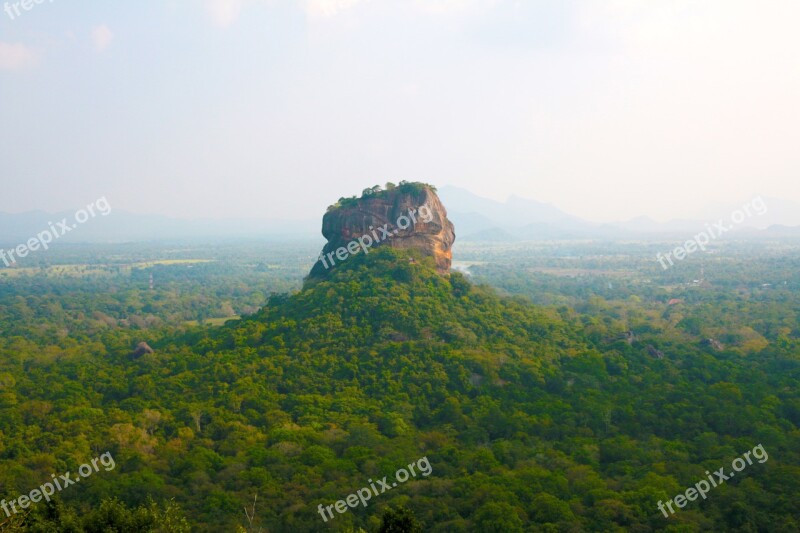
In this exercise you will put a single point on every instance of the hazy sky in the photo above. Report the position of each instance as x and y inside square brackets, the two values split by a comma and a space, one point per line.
[275, 108]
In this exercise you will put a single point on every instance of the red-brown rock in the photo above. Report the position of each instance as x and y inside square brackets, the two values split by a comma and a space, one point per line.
[409, 216]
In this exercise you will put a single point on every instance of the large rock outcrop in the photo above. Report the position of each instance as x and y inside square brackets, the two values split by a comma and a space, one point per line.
[409, 216]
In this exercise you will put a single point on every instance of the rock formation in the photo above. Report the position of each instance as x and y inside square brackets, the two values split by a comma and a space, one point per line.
[654, 352]
[141, 349]
[408, 216]
[713, 343]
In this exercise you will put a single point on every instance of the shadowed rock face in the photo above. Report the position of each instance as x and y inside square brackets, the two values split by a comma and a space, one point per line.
[413, 219]
[141, 349]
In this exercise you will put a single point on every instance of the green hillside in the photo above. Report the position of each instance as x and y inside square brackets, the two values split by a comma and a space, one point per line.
[531, 418]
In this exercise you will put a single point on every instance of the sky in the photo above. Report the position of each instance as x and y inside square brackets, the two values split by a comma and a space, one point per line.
[274, 109]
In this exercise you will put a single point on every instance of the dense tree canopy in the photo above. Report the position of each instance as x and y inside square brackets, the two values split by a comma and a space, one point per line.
[533, 418]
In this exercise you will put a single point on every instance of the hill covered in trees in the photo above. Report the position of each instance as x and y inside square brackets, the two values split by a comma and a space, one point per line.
[532, 418]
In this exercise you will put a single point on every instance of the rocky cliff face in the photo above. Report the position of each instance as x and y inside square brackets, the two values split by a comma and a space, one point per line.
[408, 216]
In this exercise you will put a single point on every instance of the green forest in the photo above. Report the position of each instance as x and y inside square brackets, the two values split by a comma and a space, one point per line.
[542, 402]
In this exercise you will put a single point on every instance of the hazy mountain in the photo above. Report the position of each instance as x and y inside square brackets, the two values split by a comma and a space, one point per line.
[515, 211]
[475, 219]
[776, 211]
[517, 219]
[121, 226]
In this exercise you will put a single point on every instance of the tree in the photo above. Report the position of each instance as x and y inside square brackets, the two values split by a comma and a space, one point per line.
[399, 520]
[497, 517]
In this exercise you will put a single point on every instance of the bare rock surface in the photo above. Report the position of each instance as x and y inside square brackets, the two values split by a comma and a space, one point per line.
[141, 349]
[409, 216]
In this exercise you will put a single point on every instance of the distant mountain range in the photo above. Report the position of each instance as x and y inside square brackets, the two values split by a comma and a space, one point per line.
[518, 219]
[475, 218]
[122, 226]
